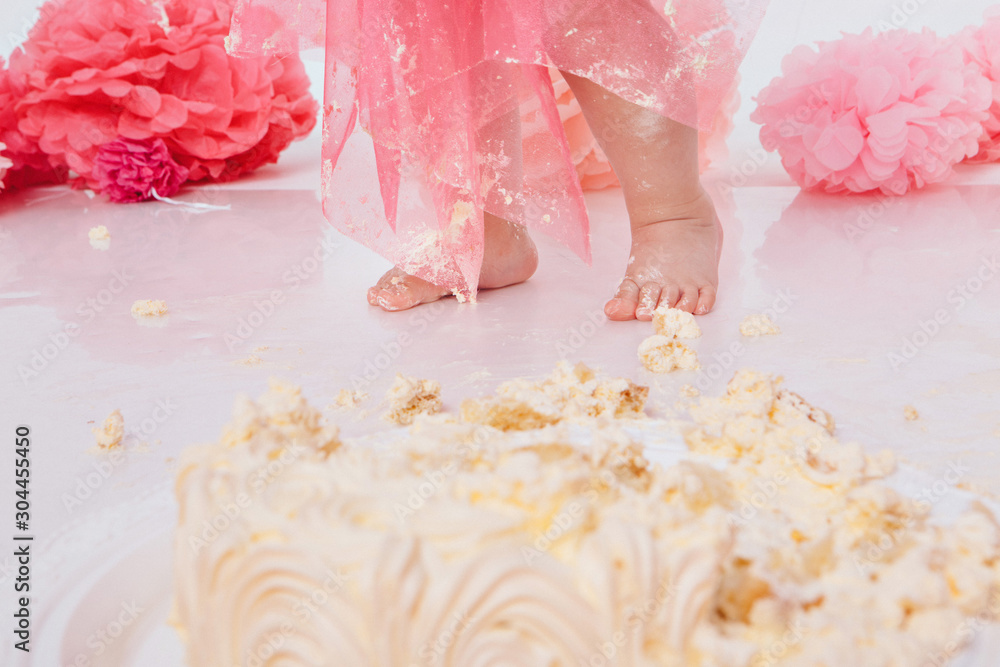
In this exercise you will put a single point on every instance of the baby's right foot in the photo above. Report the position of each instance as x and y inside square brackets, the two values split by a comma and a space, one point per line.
[509, 257]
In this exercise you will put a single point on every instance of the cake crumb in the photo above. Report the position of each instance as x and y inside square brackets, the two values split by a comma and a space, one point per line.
[409, 397]
[791, 400]
[252, 360]
[99, 237]
[111, 432]
[661, 354]
[261, 348]
[349, 399]
[758, 325]
[689, 391]
[911, 413]
[149, 308]
[675, 323]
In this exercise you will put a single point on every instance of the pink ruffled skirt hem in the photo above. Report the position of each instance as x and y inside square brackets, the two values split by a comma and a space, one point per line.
[458, 114]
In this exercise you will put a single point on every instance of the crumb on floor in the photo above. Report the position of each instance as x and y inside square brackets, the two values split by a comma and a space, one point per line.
[99, 238]
[149, 308]
[758, 325]
[110, 433]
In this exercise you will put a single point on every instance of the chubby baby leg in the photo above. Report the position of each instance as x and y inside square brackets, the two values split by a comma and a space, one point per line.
[676, 235]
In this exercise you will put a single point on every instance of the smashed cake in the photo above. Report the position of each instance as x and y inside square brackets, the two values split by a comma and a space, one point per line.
[778, 544]
[570, 392]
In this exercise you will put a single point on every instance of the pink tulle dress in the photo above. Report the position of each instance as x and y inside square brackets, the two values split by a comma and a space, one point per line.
[457, 110]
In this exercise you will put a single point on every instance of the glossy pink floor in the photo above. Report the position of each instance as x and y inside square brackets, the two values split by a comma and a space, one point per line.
[882, 304]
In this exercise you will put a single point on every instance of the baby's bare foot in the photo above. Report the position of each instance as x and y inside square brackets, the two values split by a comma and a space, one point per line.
[509, 257]
[674, 262]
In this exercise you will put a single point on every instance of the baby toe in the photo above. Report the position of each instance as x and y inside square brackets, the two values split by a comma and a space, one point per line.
[688, 300]
[706, 300]
[622, 306]
[649, 297]
[669, 295]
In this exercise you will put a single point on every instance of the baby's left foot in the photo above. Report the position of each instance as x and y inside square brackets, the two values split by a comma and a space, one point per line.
[674, 262]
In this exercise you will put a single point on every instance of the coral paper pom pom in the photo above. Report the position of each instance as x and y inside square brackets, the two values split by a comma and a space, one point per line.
[103, 70]
[981, 47]
[888, 112]
[28, 164]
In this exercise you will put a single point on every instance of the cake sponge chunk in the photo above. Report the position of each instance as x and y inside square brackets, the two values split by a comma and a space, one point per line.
[568, 393]
[662, 354]
[409, 397]
[675, 323]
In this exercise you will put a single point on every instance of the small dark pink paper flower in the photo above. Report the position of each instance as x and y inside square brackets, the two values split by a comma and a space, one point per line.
[128, 170]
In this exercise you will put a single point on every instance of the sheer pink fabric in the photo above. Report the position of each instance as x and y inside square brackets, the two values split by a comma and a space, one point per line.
[458, 112]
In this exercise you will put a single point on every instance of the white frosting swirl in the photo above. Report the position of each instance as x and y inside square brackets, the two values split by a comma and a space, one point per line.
[519, 550]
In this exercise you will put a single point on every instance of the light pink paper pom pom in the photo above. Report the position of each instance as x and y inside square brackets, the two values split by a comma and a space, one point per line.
[890, 112]
[981, 47]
